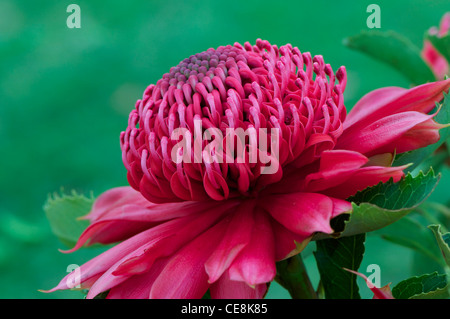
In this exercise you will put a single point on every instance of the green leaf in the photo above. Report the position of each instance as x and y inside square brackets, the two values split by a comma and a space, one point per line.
[409, 192]
[443, 241]
[395, 50]
[332, 256]
[64, 212]
[416, 157]
[410, 233]
[429, 286]
[442, 44]
[381, 205]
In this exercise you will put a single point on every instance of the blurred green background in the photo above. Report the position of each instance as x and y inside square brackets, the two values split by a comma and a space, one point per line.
[65, 95]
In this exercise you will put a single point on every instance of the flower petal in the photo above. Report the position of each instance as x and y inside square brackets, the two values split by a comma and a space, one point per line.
[256, 263]
[114, 198]
[421, 135]
[184, 276]
[335, 167]
[225, 288]
[138, 286]
[388, 101]
[131, 219]
[190, 227]
[365, 177]
[302, 213]
[236, 238]
[287, 243]
[371, 103]
[437, 62]
[371, 139]
[379, 293]
[94, 268]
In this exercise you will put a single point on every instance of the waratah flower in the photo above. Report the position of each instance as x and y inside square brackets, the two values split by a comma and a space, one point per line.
[438, 63]
[197, 220]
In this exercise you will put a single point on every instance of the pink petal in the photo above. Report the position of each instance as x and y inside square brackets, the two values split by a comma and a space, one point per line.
[444, 26]
[365, 177]
[371, 103]
[335, 167]
[421, 135]
[184, 276]
[302, 213]
[237, 236]
[371, 139]
[377, 104]
[437, 62]
[138, 286]
[114, 198]
[340, 206]
[379, 293]
[192, 226]
[95, 267]
[287, 243]
[225, 288]
[108, 279]
[256, 263]
[130, 219]
[166, 239]
[433, 57]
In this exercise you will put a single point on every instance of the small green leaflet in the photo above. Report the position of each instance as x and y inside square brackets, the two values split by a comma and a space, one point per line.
[429, 286]
[443, 241]
[64, 212]
[395, 50]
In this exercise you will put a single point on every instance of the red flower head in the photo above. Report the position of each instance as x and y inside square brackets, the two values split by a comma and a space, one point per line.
[211, 210]
[256, 90]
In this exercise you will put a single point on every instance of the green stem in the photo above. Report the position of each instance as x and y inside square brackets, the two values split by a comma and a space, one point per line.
[292, 275]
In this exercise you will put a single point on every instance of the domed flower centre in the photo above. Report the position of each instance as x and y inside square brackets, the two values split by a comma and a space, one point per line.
[204, 64]
[213, 125]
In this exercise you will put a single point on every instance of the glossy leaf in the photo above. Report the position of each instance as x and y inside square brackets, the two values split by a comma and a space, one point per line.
[429, 286]
[395, 50]
[332, 256]
[381, 205]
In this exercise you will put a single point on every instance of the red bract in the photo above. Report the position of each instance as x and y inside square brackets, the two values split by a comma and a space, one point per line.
[438, 63]
[188, 226]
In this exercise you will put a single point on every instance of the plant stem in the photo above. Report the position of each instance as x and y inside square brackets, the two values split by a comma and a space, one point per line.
[292, 275]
